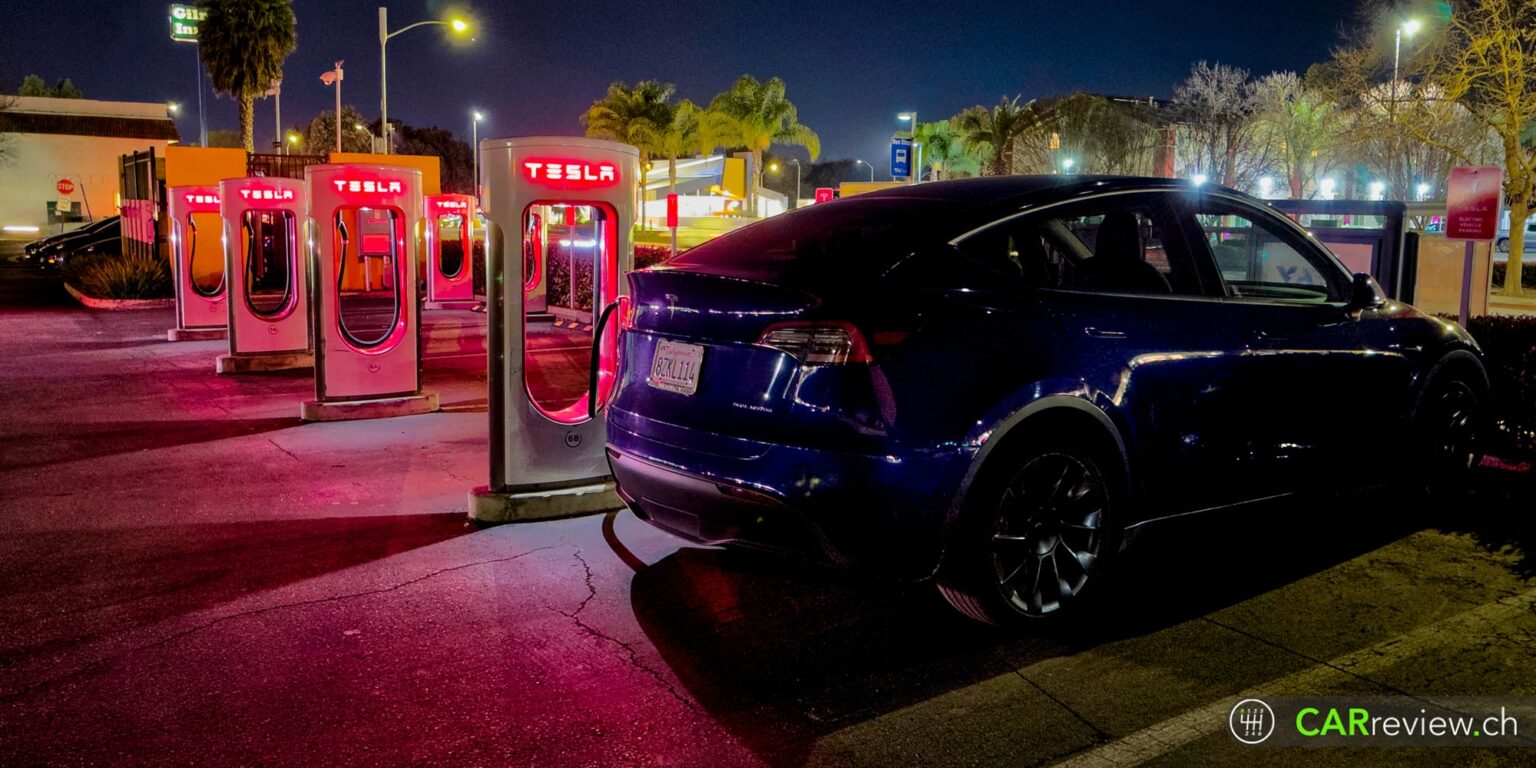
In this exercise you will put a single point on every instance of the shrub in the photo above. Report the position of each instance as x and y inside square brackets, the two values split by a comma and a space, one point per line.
[651, 255]
[1510, 345]
[1527, 276]
[121, 277]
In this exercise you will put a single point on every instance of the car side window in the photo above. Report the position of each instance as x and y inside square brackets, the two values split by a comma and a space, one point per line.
[1258, 259]
[1108, 245]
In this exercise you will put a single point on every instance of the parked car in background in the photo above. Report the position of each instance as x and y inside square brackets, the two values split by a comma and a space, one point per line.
[992, 382]
[50, 252]
[1501, 244]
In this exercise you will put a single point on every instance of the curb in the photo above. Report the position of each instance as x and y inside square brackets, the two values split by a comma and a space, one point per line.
[115, 304]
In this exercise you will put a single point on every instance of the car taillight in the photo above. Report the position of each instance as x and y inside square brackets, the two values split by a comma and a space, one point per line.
[818, 343]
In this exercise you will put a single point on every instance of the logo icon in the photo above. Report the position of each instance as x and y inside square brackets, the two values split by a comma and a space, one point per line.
[1251, 721]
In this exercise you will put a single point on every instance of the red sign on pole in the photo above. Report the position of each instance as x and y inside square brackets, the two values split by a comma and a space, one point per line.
[672, 210]
[823, 194]
[1472, 203]
[65, 186]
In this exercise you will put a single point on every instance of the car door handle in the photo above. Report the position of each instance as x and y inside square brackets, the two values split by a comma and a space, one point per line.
[1103, 333]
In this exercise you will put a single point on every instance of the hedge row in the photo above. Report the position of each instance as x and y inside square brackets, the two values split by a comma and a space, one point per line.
[1527, 276]
[1510, 346]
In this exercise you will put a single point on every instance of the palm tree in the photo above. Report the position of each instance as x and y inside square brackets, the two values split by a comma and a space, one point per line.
[944, 150]
[637, 115]
[756, 116]
[684, 135]
[994, 132]
[243, 44]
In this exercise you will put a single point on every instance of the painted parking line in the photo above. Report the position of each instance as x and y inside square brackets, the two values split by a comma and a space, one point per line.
[1176, 732]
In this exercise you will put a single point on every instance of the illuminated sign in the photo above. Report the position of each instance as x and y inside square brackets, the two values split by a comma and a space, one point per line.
[369, 186]
[184, 21]
[276, 195]
[202, 198]
[453, 205]
[571, 173]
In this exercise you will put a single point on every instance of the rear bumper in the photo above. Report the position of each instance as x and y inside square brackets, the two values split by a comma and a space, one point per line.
[885, 513]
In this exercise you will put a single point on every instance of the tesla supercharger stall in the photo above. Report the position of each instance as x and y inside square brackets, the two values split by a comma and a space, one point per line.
[197, 263]
[266, 283]
[450, 251]
[560, 214]
[363, 225]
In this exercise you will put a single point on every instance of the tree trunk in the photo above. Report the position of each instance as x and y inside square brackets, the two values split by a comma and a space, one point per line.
[756, 178]
[1519, 211]
[671, 173]
[248, 122]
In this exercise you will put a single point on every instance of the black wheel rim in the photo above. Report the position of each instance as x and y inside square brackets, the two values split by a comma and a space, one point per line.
[1049, 532]
[1453, 443]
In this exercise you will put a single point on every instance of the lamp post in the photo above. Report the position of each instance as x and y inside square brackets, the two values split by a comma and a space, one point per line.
[1408, 28]
[917, 147]
[871, 169]
[458, 25]
[474, 146]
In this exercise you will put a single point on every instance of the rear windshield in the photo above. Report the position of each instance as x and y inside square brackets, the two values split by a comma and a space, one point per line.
[848, 238]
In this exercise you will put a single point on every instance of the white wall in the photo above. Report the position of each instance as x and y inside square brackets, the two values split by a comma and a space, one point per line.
[37, 161]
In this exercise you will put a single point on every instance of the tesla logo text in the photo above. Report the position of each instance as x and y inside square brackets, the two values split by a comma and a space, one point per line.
[202, 199]
[452, 205]
[266, 194]
[571, 173]
[369, 186]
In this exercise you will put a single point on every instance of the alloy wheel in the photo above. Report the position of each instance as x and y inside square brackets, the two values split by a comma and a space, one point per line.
[1049, 532]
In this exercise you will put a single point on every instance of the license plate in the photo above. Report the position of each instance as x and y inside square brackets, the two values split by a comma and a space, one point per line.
[675, 368]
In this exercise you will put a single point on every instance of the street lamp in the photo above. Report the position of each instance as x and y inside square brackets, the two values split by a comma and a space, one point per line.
[917, 147]
[1066, 165]
[474, 145]
[871, 169]
[1378, 190]
[1199, 179]
[1325, 187]
[459, 26]
[1265, 185]
[173, 108]
[1423, 191]
[293, 141]
[1408, 28]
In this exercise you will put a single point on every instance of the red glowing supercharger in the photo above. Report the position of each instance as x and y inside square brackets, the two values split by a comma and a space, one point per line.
[363, 224]
[560, 214]
[197, 263]
[266, 283]
[450, 251]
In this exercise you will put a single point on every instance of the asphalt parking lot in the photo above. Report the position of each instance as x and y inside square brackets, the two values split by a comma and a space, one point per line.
[189, 575]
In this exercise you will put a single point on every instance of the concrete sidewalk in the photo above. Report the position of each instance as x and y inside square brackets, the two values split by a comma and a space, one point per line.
[189, 575]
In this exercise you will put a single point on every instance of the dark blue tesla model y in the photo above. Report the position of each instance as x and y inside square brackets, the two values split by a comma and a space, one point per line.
[991, 382]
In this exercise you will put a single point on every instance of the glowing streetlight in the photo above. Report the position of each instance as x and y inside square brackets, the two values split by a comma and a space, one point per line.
[774, 167]
[458, 25]
[1066, 165]
[1326, 187]
[1423, 190]
[1378, 190]
[871, 169]
[173, 108]
[1199, 179]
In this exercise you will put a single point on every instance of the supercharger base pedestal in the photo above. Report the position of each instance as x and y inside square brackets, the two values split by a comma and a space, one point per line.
[566, 203]
[381, 408]
[276, 361]
[196, 334]
[488, 507]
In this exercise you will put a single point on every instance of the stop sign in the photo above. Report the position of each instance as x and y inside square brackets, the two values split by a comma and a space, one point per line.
[65, 187]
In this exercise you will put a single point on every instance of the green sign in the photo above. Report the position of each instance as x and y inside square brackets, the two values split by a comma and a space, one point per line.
[184, 21]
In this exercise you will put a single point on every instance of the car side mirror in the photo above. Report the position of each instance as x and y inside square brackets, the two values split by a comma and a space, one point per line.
[1365, 292]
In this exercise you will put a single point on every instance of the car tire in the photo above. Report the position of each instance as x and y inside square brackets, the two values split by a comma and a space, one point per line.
[1038, 526]
[1503, 245]
[1448, 429]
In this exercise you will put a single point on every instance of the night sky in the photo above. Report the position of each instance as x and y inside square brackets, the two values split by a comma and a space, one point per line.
[534, 66]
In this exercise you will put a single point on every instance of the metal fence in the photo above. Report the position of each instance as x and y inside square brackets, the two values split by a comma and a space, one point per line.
[281, 166]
